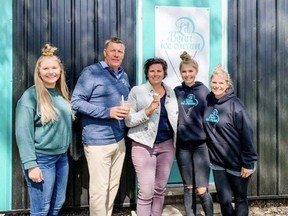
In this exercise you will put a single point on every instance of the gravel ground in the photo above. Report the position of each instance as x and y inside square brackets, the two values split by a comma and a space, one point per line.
[269, 208]
[256, 208]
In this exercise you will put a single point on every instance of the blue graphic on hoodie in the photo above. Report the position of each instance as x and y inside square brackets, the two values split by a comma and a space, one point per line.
[190, 100]
[213, 117]
[189, 103]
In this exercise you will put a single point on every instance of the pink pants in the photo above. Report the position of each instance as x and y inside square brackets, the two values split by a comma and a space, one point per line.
[152, 167]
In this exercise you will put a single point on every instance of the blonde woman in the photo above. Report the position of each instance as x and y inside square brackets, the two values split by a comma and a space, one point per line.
[43, 133]
[232, 155]
[191, 149]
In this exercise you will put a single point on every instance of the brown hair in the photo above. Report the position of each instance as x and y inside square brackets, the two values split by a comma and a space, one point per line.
[186, 59]
[152, 61]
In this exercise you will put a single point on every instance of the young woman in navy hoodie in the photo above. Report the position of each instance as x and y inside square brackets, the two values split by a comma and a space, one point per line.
[191, 149]
[230, 133]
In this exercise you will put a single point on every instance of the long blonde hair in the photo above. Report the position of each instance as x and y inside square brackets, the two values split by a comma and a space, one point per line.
[45, 108]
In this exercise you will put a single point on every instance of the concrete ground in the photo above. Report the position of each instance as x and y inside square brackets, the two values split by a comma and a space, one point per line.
[174, 203]
[178, 210]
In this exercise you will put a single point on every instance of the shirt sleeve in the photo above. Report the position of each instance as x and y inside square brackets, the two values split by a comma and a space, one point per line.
[248, 154]
[136, 116]
[24, 127]
[81, 95]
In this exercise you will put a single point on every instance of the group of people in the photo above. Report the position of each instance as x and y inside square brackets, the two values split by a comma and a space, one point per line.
[204, 130]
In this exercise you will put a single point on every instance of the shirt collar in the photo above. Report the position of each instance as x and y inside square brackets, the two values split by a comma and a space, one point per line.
[106, 66]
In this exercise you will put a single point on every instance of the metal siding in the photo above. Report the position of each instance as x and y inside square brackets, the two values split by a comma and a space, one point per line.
[257, 60]
[282, 89]
[232, 24]
[61, 34]
[267, 98]
[247, 64]
[126, 17]
[127, 12]
[84, 40]
[21, 80]
[79, 29]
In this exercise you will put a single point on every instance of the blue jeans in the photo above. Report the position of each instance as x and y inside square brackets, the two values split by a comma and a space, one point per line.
[229, 186]
[48, 196]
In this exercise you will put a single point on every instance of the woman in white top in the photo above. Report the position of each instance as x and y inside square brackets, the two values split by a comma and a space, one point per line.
[153, 126]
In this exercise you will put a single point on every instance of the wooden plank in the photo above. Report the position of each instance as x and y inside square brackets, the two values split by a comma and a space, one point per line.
[247, 67]
[282, 89]
[267, 113]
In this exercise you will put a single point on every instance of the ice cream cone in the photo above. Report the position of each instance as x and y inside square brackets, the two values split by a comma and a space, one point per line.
[155, 96]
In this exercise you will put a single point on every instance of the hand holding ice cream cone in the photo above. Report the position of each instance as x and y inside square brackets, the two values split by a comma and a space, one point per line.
[155, 96]
[154, 104]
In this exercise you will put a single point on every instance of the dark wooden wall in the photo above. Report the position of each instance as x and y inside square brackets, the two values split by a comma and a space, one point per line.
[257, 61]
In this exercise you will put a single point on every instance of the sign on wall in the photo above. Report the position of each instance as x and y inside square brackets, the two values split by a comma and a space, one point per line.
[165, 28]
[179, 29]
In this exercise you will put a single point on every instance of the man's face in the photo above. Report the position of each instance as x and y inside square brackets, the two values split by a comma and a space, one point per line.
[114, 55]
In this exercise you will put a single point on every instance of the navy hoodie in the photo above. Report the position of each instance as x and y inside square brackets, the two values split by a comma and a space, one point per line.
[192, 103]
[230, 133]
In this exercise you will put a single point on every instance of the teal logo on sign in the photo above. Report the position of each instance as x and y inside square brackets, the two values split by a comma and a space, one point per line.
[185, 37]
[213, 117]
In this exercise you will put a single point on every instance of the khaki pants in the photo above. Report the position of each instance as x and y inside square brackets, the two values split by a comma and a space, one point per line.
[105, 164]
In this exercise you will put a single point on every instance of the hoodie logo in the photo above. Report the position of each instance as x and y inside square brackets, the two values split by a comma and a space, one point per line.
[190, 101]
[213, 117]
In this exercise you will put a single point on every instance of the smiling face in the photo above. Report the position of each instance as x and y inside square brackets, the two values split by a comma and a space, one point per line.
[155, 74]
[114, 55]
[188, 74]
[219, 85]
[49, 71]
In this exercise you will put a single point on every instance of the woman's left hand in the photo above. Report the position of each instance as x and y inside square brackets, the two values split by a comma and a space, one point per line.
[245, 173]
